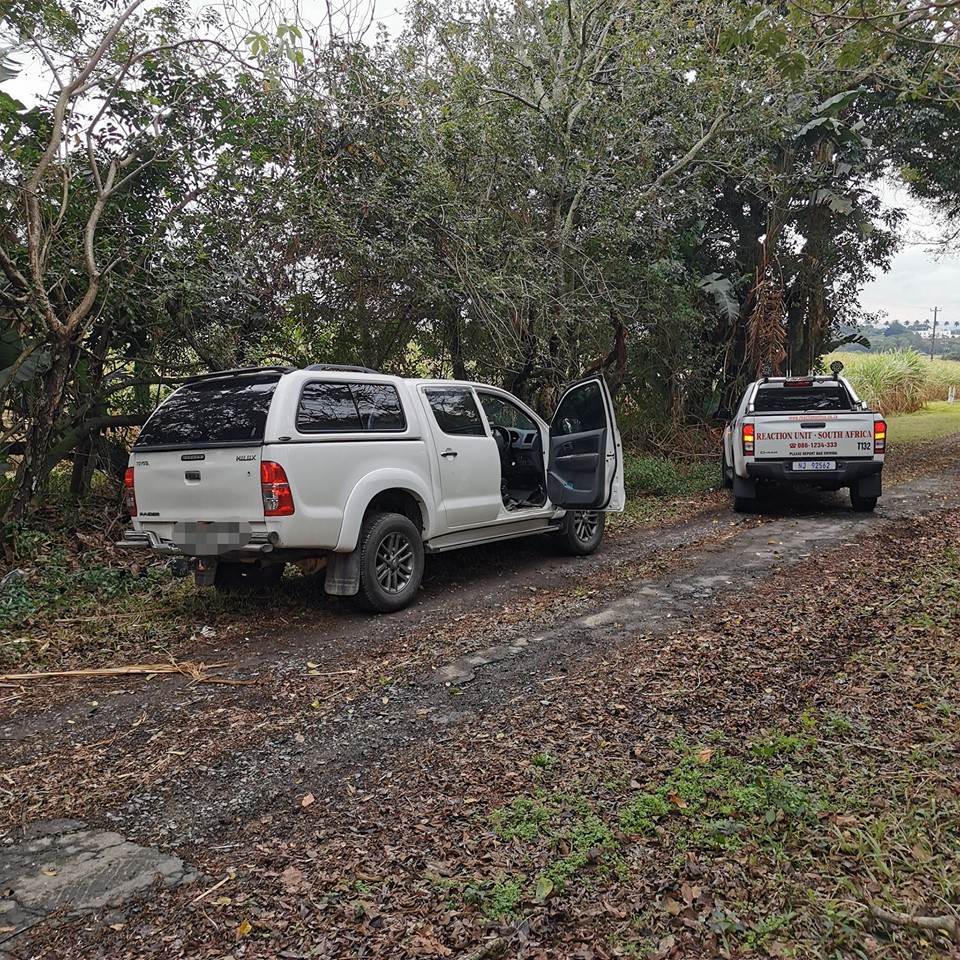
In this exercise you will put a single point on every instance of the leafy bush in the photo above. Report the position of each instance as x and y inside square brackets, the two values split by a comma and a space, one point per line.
[646, 475]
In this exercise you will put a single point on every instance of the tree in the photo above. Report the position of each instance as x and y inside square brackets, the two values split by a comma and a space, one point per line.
[94, 181]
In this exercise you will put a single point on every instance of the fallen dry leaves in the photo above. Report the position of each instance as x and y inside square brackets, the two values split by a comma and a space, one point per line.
[825, 698]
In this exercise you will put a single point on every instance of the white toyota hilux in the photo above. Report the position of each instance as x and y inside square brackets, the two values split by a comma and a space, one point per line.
[357, 473]
[803, 433]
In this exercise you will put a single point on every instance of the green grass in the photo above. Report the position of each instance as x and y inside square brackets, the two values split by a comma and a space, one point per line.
[936, 419]
[62, 606]
[713, 797]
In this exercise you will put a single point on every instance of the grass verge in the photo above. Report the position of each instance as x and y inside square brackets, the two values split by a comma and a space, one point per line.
[937, 419]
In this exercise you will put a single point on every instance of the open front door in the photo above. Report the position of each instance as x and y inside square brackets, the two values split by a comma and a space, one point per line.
[585, 465]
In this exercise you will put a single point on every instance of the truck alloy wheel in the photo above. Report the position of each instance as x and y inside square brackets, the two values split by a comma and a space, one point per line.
[582, 531]
[391, 562]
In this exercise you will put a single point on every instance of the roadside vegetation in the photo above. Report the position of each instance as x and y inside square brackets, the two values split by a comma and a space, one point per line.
[901, 381]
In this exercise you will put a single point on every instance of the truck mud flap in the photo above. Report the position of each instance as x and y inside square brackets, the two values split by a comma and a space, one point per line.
[343, 574]
[744, 487]
[871, 486]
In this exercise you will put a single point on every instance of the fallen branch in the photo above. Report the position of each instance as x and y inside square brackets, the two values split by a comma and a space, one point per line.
[216, 886]
[866, 746]
[493, 948]
[187, 668]
[947, 925]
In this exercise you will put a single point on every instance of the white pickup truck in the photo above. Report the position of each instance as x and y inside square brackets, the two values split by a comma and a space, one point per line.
[345, 469]
[803, 433]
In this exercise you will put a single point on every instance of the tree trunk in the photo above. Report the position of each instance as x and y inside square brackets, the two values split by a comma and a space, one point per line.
[42, 428]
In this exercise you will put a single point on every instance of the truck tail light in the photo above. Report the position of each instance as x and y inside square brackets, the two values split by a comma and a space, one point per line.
[277, 498]
[747, 437]
[879, 436]
[129, 495]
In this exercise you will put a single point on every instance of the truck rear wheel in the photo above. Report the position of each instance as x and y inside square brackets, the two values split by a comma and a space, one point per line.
[862, 504]
[232, 576]
[391, 563]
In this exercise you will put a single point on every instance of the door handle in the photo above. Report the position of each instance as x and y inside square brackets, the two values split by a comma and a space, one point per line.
[449, 454]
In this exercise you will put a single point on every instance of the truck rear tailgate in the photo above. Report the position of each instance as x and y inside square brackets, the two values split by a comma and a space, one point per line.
[212, 484]
[815, 436]
[197, 459]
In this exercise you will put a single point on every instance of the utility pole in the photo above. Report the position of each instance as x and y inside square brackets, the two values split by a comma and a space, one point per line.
[933, 336]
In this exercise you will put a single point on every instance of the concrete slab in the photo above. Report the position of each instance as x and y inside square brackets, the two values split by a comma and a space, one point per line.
[63, 864]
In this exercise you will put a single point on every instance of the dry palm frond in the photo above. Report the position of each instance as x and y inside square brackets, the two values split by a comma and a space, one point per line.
[187, 668]
[766, 330]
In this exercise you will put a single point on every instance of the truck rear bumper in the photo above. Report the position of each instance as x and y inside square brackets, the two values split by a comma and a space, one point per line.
[260, 542]
[846, 473]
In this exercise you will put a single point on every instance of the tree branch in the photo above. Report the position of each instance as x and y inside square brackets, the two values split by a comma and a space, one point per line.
[71, 90]
[688, 157]
[516, 96]
[10, 269]
[57, 453]
[946, 924]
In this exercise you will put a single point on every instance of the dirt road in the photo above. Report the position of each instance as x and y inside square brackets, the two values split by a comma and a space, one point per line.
[344, 799]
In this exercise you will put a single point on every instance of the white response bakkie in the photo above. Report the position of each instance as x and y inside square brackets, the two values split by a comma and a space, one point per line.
[350, 471]
[803, 433]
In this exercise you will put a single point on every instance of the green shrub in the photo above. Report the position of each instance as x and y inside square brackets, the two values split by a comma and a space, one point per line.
[650, 475]
[658, 476]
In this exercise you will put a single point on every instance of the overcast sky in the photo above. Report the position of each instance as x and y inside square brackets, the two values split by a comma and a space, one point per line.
[919, 280]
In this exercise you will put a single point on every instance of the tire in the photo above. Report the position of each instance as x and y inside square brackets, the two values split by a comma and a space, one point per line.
[862, 504]
[232, 576]
[391, 563]
[582, 531]
[744, 504]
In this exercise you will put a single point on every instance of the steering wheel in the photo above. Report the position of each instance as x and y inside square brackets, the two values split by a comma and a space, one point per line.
[502, 436]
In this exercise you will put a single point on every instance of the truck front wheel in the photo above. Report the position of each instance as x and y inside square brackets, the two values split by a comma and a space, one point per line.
[582, 531]
[391, 563]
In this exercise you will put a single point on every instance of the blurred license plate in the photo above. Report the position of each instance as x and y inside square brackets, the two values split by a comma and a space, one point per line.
[209, 539]
[814, 465]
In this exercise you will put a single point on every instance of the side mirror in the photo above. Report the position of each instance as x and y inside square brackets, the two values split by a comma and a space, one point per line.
[724, 414]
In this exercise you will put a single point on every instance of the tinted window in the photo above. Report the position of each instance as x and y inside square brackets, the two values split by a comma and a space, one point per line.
[342, 407]
[327, 406]
[782, 399]
[379, 406]
[580, 410]
[210, 413]
[455, 411]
